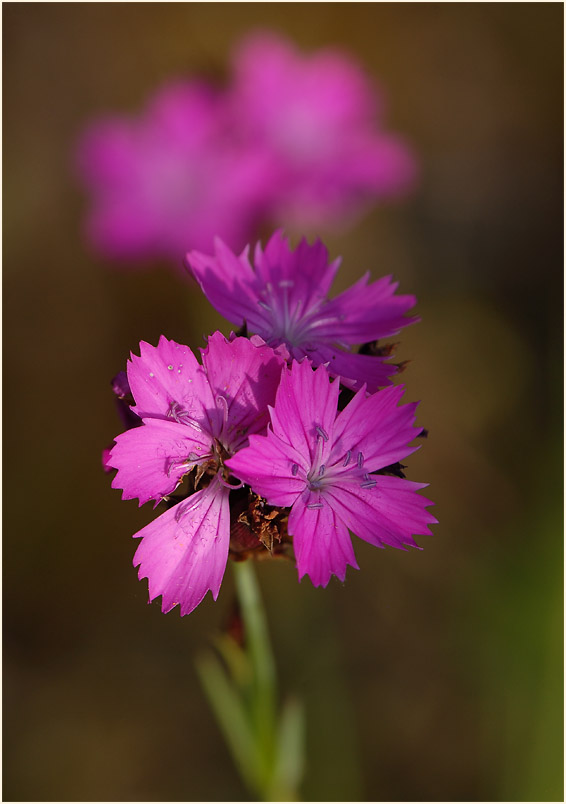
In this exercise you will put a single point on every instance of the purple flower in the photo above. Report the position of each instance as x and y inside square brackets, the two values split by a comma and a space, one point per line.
[323, 467]
[283, 298]
[320, 121]
[170, 179]
[193, 417]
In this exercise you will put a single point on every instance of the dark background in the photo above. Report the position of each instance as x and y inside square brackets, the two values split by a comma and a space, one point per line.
[427, 675]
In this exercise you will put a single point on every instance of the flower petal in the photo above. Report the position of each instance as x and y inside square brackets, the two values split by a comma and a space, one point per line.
[305, 409]
[389, 513]
[247, 376]
[166, 374]
[226, 281]
[267, 465]
[305, 273]
[355, 370]
[377, 427]
[321, 541]
[152, 459]
[183, 552]
[366, 312]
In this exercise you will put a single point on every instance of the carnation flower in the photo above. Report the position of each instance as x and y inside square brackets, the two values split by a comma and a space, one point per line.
[171, 178]
[325, 466]
[320, 121]
[194, 417]
[282, 297]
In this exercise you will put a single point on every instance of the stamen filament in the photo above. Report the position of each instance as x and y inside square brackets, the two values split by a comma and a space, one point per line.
[176, 465]
[229, 485]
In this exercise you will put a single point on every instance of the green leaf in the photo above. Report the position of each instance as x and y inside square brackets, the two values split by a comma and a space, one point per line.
[232, 717]
[290, 762]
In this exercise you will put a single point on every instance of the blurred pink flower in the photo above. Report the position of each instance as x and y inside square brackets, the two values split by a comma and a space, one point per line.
[291, 140]
[171, 178]
[319, 120]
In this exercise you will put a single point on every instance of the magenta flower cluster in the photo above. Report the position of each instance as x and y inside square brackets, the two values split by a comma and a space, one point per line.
[292, 138]
[281, 435]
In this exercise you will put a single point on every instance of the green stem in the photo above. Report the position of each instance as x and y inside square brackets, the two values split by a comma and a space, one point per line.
[268, 751]
[263, 698]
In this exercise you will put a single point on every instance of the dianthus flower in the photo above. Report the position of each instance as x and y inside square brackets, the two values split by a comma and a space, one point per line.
[320, 121]
[325, 467]
[171, 178]
[283, 298]
[193, 417]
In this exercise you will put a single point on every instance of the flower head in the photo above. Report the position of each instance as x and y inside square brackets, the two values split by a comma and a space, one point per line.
[282, 297]
[324, 466]
[193, 417]
[319, 119]
[172, 178]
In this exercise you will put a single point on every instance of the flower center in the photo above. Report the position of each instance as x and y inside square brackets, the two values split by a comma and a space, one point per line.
[212, 462]
[320, 475]
[287, 320]
[316, 479]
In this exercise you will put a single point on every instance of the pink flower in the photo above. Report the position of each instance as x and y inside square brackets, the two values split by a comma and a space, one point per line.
[282, 297]
[193, 416]
[324, 467]
[320, 120]
[171, 178]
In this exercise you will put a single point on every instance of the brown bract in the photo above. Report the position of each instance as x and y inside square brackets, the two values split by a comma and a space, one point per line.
[258, 530]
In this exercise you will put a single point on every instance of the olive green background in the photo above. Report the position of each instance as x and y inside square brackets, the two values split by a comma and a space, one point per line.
[433, 675]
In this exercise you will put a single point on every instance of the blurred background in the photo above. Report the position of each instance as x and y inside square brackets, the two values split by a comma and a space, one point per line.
[433, 675]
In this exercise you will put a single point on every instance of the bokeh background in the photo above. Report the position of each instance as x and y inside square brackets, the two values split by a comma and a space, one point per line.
[433, 675]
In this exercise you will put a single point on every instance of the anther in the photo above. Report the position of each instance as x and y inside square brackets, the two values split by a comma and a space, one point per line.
[321, 470]
[368, 483]
[313, 506]
[360, 460]
[182, 416]
[294, 469]
[322, 433]
[347, 458]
